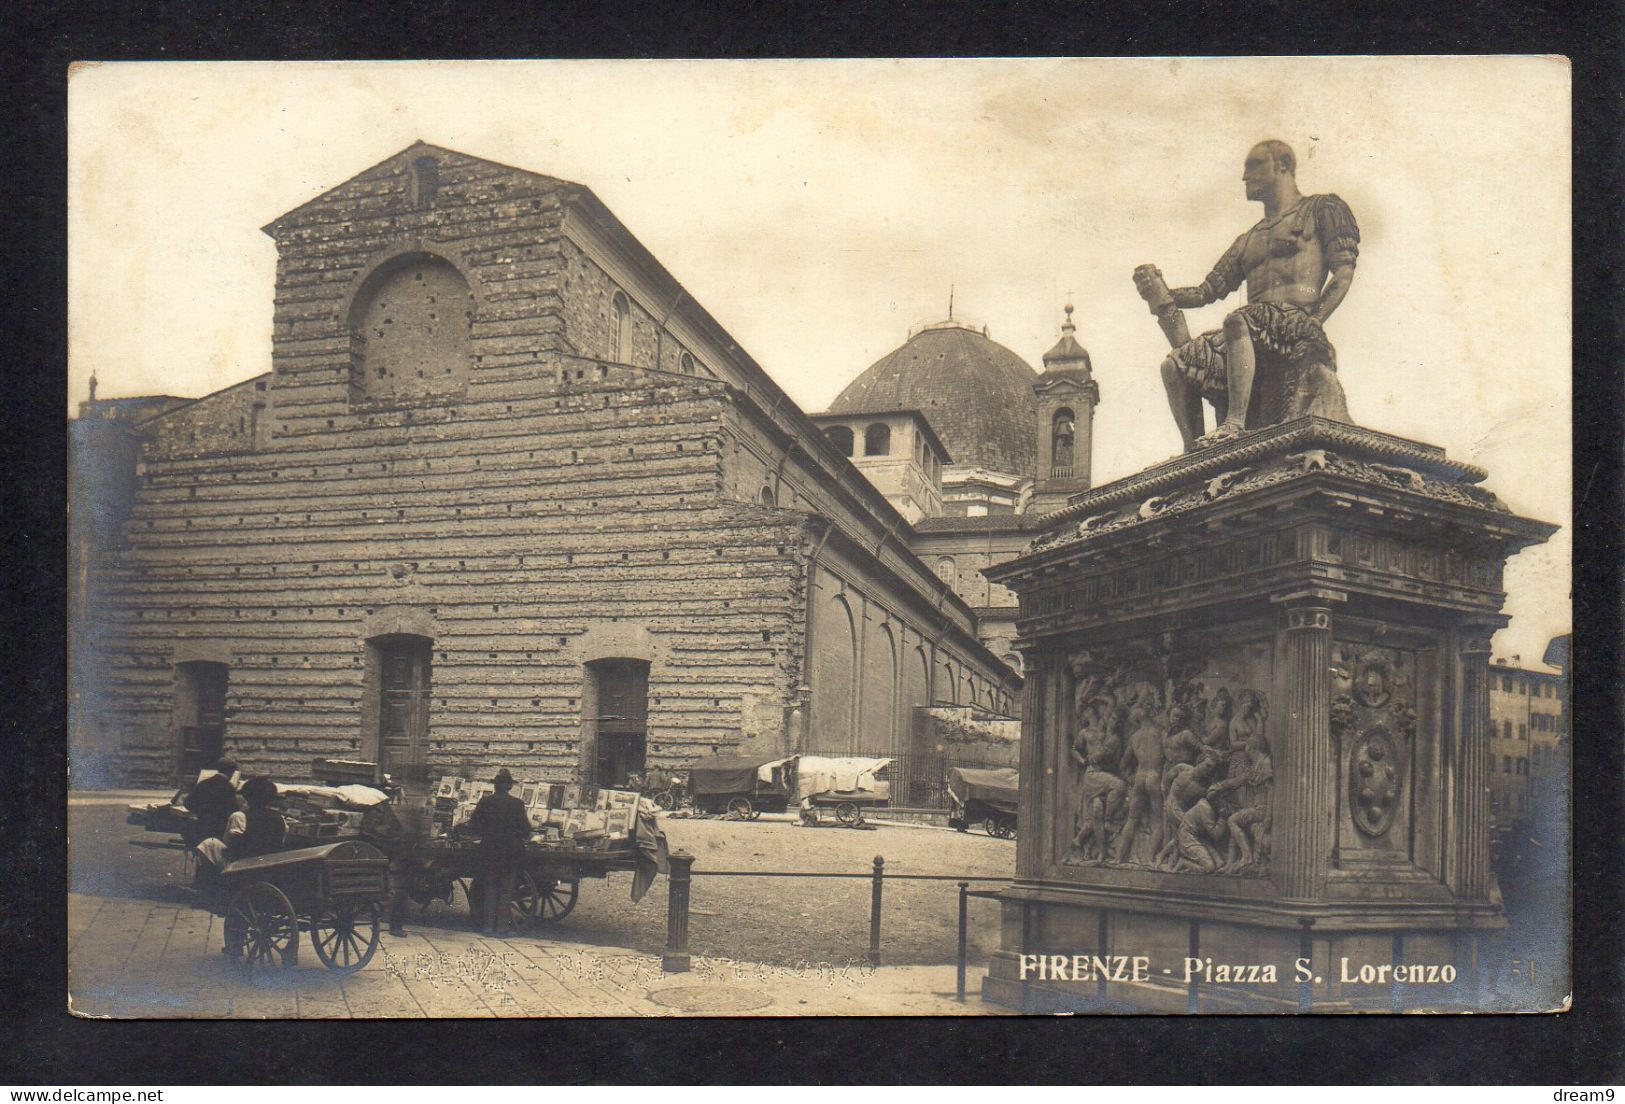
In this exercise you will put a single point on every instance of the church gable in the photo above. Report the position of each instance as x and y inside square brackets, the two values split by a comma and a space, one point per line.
[420, 179]
[427, 275]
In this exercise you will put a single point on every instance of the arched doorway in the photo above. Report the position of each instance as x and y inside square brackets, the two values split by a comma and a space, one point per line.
[620, 689]
[200, 715]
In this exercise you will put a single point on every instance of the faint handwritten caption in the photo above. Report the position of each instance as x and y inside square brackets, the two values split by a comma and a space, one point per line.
[493, 970]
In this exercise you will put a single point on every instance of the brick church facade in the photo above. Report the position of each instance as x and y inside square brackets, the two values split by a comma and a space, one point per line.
[509, 496]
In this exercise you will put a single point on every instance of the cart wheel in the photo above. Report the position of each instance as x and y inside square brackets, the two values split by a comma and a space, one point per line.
[847, 813]
[526, 899]
[345, 936]
[430, 885]
[262, 930]
[991, 827]
[664, 800]
[740, 808]
[557, 900]
[1007, 828]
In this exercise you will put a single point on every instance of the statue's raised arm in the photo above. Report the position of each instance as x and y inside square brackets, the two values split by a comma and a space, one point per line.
[1271, 361]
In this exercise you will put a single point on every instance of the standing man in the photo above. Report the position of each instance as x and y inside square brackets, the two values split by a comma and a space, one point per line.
[503, 825]
[1298, 264]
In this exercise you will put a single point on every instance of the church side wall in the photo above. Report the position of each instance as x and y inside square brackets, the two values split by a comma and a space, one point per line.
[868, 658]
[525, 535]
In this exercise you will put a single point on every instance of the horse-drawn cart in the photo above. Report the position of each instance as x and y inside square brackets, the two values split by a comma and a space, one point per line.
[742, 786]
[332, 891]
[989, 797]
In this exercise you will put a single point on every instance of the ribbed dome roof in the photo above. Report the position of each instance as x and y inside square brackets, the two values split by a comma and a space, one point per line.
[977, 394]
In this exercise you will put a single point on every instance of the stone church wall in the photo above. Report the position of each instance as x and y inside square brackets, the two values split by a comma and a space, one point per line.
[516, 534]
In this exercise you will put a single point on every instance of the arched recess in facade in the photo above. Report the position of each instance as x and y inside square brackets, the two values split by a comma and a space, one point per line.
[879, 693]
[834, 665]
[410, 318]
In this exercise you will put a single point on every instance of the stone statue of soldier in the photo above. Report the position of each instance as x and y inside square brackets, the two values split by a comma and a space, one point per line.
[1271, 361]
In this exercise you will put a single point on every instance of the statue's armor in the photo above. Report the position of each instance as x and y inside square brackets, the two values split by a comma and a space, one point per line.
[1284, 262]
[1287, 259]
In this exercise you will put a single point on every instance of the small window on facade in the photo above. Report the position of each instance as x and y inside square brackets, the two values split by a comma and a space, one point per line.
[877, 440]
[1506, 730]
[1523, 766]
[946, 570]
[623, 328]
[687, 365]
[425, 182]
[1523, 732]
[1506, 764]
[768, 498]
[841, 437]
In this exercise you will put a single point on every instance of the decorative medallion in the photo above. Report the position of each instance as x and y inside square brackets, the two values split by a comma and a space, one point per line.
[1374, 782]
[1373, 685]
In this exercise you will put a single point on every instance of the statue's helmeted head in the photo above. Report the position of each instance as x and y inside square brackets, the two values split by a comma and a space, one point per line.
[1265, 162]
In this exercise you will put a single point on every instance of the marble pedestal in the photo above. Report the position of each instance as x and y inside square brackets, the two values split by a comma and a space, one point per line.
[1292, 630]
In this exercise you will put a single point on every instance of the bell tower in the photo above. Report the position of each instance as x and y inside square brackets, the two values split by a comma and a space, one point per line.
[1067, 397]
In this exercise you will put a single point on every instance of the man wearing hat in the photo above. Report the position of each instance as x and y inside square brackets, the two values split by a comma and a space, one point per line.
[503, 826]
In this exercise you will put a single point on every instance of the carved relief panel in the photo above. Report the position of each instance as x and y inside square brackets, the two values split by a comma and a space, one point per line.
[1374, 728]
[1167, 762]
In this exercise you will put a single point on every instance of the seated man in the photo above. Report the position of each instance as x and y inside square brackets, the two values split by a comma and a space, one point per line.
[257, 830]
[211, 801]
[1298, 264]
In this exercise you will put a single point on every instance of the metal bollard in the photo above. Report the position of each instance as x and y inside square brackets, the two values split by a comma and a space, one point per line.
[874, 911]
[675, 960]
[964, 902]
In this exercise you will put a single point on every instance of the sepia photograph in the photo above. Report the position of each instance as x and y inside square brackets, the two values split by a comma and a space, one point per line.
[819, 538]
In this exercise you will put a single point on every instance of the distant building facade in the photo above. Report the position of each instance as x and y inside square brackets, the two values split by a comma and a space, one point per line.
[1529, 737]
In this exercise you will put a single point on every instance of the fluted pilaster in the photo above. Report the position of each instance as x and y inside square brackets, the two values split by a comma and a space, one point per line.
[1471, 801]
[1036, 787]
[1305, 770]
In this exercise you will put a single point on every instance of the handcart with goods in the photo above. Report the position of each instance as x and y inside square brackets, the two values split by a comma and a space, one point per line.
[742, 786]
[985, 796]
[842, 786]
[579, 832]
[545, 889]
[667, 789]
[333, 891]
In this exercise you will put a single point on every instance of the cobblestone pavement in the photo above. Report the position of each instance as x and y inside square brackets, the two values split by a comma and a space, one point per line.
[140, 959]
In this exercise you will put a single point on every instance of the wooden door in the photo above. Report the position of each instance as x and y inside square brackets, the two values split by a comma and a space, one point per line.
[404, 708]
[623, 712]
[203, 741]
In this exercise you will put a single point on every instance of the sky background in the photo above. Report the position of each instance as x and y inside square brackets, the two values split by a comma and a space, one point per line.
[818, 209]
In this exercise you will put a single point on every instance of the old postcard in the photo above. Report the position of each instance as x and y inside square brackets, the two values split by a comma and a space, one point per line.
[819, 538]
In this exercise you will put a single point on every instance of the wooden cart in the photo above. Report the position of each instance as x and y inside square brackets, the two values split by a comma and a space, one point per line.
[545, 890]
[332, 891]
